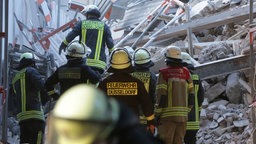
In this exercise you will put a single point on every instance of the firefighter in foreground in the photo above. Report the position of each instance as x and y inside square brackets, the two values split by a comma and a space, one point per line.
[75, 71]
[85, 115]
[95, 34]
[126, 88]
[175, 95]
[194, 115]
[143, 63]
[25, 95]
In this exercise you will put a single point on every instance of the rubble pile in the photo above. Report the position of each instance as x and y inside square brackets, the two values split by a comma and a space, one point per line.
[225, 115]
[224, 123]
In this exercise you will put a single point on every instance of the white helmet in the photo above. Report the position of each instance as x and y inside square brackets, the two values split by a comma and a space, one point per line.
[173, 52]
[92, 10]
[27, 55]
[78, 49]
[120, 59]
[27, 59]
[83, 114]
[141, 56]
[130, 50]
[186, 57]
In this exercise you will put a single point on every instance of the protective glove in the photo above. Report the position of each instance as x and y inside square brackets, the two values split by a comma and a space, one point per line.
[151, 127]
[152, 130]
[62, 47]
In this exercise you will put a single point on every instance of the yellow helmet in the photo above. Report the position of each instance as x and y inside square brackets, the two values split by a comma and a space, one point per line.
[120, 59]
[141, 56]
[173, 52]
[78, 49]
[83, 114]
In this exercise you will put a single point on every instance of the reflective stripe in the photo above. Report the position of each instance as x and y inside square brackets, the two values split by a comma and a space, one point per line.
[98, 25]
[182, 114]
[21, 75]
[69, 73]
[98, 45]
[161, 86]
[190, 85]
[65, 42]
[172, 111]
[96, 63]
[143, 120]
[144, 77]
[170, 95]
[193, 125]
[51, 92]
[30, 114]
[195, 77]
[196, 102]
[83, 32]
[23, 92]
[39, 137]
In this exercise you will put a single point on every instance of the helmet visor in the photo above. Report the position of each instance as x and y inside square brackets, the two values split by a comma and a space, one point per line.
[63, 131]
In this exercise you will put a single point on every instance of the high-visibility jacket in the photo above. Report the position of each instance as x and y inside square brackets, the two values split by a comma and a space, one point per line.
[95, 34]
[149, 79]
[70, 74]
[174, 93]
[26, 87]
[194, 115]
[130, 91]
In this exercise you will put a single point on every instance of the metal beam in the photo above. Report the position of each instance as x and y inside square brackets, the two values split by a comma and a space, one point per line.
[230, 16]
[223, 66]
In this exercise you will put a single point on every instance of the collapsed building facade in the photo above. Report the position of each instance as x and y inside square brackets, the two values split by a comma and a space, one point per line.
[218, 34]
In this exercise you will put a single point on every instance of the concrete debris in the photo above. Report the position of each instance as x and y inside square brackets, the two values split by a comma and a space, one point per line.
[201, 9]
[224, 126]
[215, 91]
[215, 52]
[13, 131]
[233, 88]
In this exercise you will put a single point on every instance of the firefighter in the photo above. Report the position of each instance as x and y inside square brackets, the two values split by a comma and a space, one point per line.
[75, 71]
[194, 115]
[95, 34]
[25, 93]
[85, 115]
[143, 63]
[126, 88]
[175, 95]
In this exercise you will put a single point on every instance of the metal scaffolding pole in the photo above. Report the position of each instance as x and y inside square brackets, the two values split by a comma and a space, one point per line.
[5, 74]
[252, 64]
[189, 31]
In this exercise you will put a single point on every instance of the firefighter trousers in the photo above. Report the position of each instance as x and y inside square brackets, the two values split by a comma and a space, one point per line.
[172, 132]
[32, 131]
